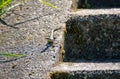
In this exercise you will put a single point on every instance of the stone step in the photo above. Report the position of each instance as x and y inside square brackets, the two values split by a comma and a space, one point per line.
[92, 37]
[87, 66]
[86, 71]
[91, 46]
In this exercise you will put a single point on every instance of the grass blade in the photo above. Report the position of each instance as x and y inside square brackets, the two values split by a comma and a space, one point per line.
[9, 8]
[47, 3]
[4, 3]
[11, 55]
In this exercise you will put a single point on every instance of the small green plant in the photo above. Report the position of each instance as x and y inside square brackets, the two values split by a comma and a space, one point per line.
[3, 11]
[5, 7]
[4, 3]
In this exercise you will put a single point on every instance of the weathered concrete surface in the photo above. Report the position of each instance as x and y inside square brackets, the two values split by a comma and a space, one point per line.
[35, 22]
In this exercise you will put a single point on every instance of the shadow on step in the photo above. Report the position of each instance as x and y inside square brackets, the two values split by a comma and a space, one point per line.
[92, 39]
[96, 4]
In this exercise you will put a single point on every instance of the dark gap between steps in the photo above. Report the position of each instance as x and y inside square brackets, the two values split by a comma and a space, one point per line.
[95, 4]
[93, 38]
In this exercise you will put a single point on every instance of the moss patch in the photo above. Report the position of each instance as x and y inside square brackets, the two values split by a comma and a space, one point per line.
[60, 75]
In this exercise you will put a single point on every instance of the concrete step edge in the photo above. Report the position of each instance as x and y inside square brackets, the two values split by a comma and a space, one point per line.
[95, 11]
[86, 66]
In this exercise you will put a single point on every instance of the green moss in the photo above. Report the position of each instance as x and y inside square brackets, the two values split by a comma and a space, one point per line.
[73, 27]
[86, 4]
[76, 32]
[61, 75]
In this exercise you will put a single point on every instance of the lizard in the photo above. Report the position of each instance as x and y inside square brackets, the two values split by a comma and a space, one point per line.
[50, 39]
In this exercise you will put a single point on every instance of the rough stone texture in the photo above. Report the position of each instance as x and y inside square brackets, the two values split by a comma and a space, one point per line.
[86, 75]
[35, 22]
[92, 38]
